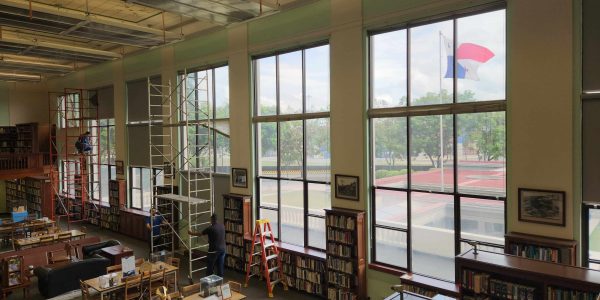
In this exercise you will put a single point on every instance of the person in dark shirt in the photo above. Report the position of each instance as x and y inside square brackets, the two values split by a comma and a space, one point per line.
[153, 223]
[83, 143]
[216, 246]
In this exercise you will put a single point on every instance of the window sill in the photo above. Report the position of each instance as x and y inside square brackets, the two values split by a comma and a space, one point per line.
[386, 269]
[308, 252]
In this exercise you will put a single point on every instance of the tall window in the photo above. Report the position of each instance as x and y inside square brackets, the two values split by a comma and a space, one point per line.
[107, 160]
[211, 84]
[292, 143]
[68, 110]
[438, 170]
[140, 182]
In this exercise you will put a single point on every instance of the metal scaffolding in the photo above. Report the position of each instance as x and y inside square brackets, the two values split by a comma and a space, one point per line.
[74, 176]
[183, 186]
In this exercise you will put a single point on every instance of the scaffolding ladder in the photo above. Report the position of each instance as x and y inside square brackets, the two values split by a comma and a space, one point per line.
[74, 176]
[183, 185]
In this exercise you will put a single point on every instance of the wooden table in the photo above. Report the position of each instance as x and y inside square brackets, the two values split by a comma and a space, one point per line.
[115, 253]
[25, 286]
[8, 228]
[234, 296]
[94, 283]
[34, 241]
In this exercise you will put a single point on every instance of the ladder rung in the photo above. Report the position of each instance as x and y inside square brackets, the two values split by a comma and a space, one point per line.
[256, 253]
[255, 264]
[271, 257]
[266, 233]
[267, 245]
[273, 269]
[276, 281]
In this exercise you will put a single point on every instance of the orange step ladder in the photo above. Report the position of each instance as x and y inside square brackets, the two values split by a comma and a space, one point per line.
[269, 262]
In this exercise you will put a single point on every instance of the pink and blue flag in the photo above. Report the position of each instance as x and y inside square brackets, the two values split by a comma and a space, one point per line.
[469, 57]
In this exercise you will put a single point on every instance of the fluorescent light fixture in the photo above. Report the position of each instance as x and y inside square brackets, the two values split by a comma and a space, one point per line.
[36, 64]
[592, 92]
[18, 76]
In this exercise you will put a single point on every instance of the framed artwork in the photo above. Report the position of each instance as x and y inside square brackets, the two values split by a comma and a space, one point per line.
[346, 187]
[239, 177]
[120, 167]
[542, 206]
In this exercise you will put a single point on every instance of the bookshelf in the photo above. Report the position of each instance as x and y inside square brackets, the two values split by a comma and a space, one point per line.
[170, 212]
[345, 232]
[13, 271]
[8, 139]
[503, 276]
[31, 192]
[429, 287]
[15, 194]
[92, 209]
[541, 248]
[238, 225]
[117, 193]
[304, 269]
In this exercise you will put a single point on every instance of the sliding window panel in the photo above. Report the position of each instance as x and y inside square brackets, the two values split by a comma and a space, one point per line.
[432, 233]
[316, 232]
[222, 92]
[146, 190]
[594, 237]
[318, 155]
[390, 161]
[267, 149]
[223, 153]
[292, 212]
[270, 215]
[481, 151]
[431, 64]
[481, 57]
[266, 86]
[482, 220]
[291, 149]
[388, 69]
[268, 193]
[290, 83]
[431, 147]
[317, 79]
[391, 209]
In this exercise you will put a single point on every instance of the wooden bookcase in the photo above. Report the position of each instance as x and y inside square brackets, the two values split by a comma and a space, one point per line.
[541, 248]
[93, 210]
[8, 139]
[132, 222]
[501, 276]
[237, 216]
[117, 193]
[15, 194]
[429, 287]
[304, 269]
[32, 192]
[13, 271]
[346, 244]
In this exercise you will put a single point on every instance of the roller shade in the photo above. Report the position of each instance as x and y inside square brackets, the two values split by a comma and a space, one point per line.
[137, 99]
[591, 44]
[591, 151]
[106, 106]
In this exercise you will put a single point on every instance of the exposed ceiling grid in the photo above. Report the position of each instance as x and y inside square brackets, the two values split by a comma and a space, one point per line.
[57, 35]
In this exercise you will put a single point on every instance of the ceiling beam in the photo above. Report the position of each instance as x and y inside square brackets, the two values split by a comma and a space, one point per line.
[20, 76]
[18, 60]
[83, 16]
[40, 43]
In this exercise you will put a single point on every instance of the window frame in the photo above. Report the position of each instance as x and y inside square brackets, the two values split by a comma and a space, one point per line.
[453, 109]
[110, 123]
[277, 119]
[153, 176]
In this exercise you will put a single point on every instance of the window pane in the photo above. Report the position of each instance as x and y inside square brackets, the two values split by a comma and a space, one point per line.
[319, 198]
[271, 215]
[464, 247]
[430, 80]
[388, 69]
[104, 147]
[482, 220]
[222, 92]
[111, 144]
[318, 160]
[290, 83]
[481, 150]
[268, 193]
[292, 212]
[594, 232]
[391, 209]
[104, 182]
[113, 172]
[267, 143]
[481, 52]
[291, 149]
[389, 135]
[136, 180]
[223, 154]
[390, 247]
[432, 228]
[136, 198]
[317, 79]
[316, 232]
[146, 190]
[266, 82]
[431, 155]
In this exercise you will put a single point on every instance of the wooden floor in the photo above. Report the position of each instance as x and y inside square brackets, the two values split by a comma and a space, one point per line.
[255, 290]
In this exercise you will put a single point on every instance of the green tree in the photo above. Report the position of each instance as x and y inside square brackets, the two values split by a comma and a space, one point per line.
[291, 143]
[486, 132]
[390, 139]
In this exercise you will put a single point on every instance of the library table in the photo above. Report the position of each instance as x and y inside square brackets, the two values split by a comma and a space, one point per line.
[234, 296]
[94, 283]
[35, 241]
[115, 253]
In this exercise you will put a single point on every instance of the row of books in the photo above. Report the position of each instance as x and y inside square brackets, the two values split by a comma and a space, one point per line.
[419, 290]
[510, 290]
[303, 285]
[345, 237]
[344, 222]
[337, 294]
[561, 294]
[234, 263]
[542, 253]
[341, 279]
[475, 281]
[341, 265]
[233, 215]
[232, 203]
[341, 250]
[309, 275]
[234, 238]
[234, 250]
[234, 227]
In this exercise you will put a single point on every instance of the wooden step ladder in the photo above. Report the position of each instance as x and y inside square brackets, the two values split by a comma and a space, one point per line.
[269, 262]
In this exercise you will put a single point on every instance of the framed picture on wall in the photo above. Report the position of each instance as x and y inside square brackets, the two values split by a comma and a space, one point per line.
[542, 206]
[346, 187]
[120, 167]
[239, 177]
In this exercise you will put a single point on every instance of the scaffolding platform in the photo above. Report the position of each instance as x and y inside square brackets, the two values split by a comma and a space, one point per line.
[182, 199]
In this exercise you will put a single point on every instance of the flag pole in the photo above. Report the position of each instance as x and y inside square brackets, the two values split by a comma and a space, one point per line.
[441, 162]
